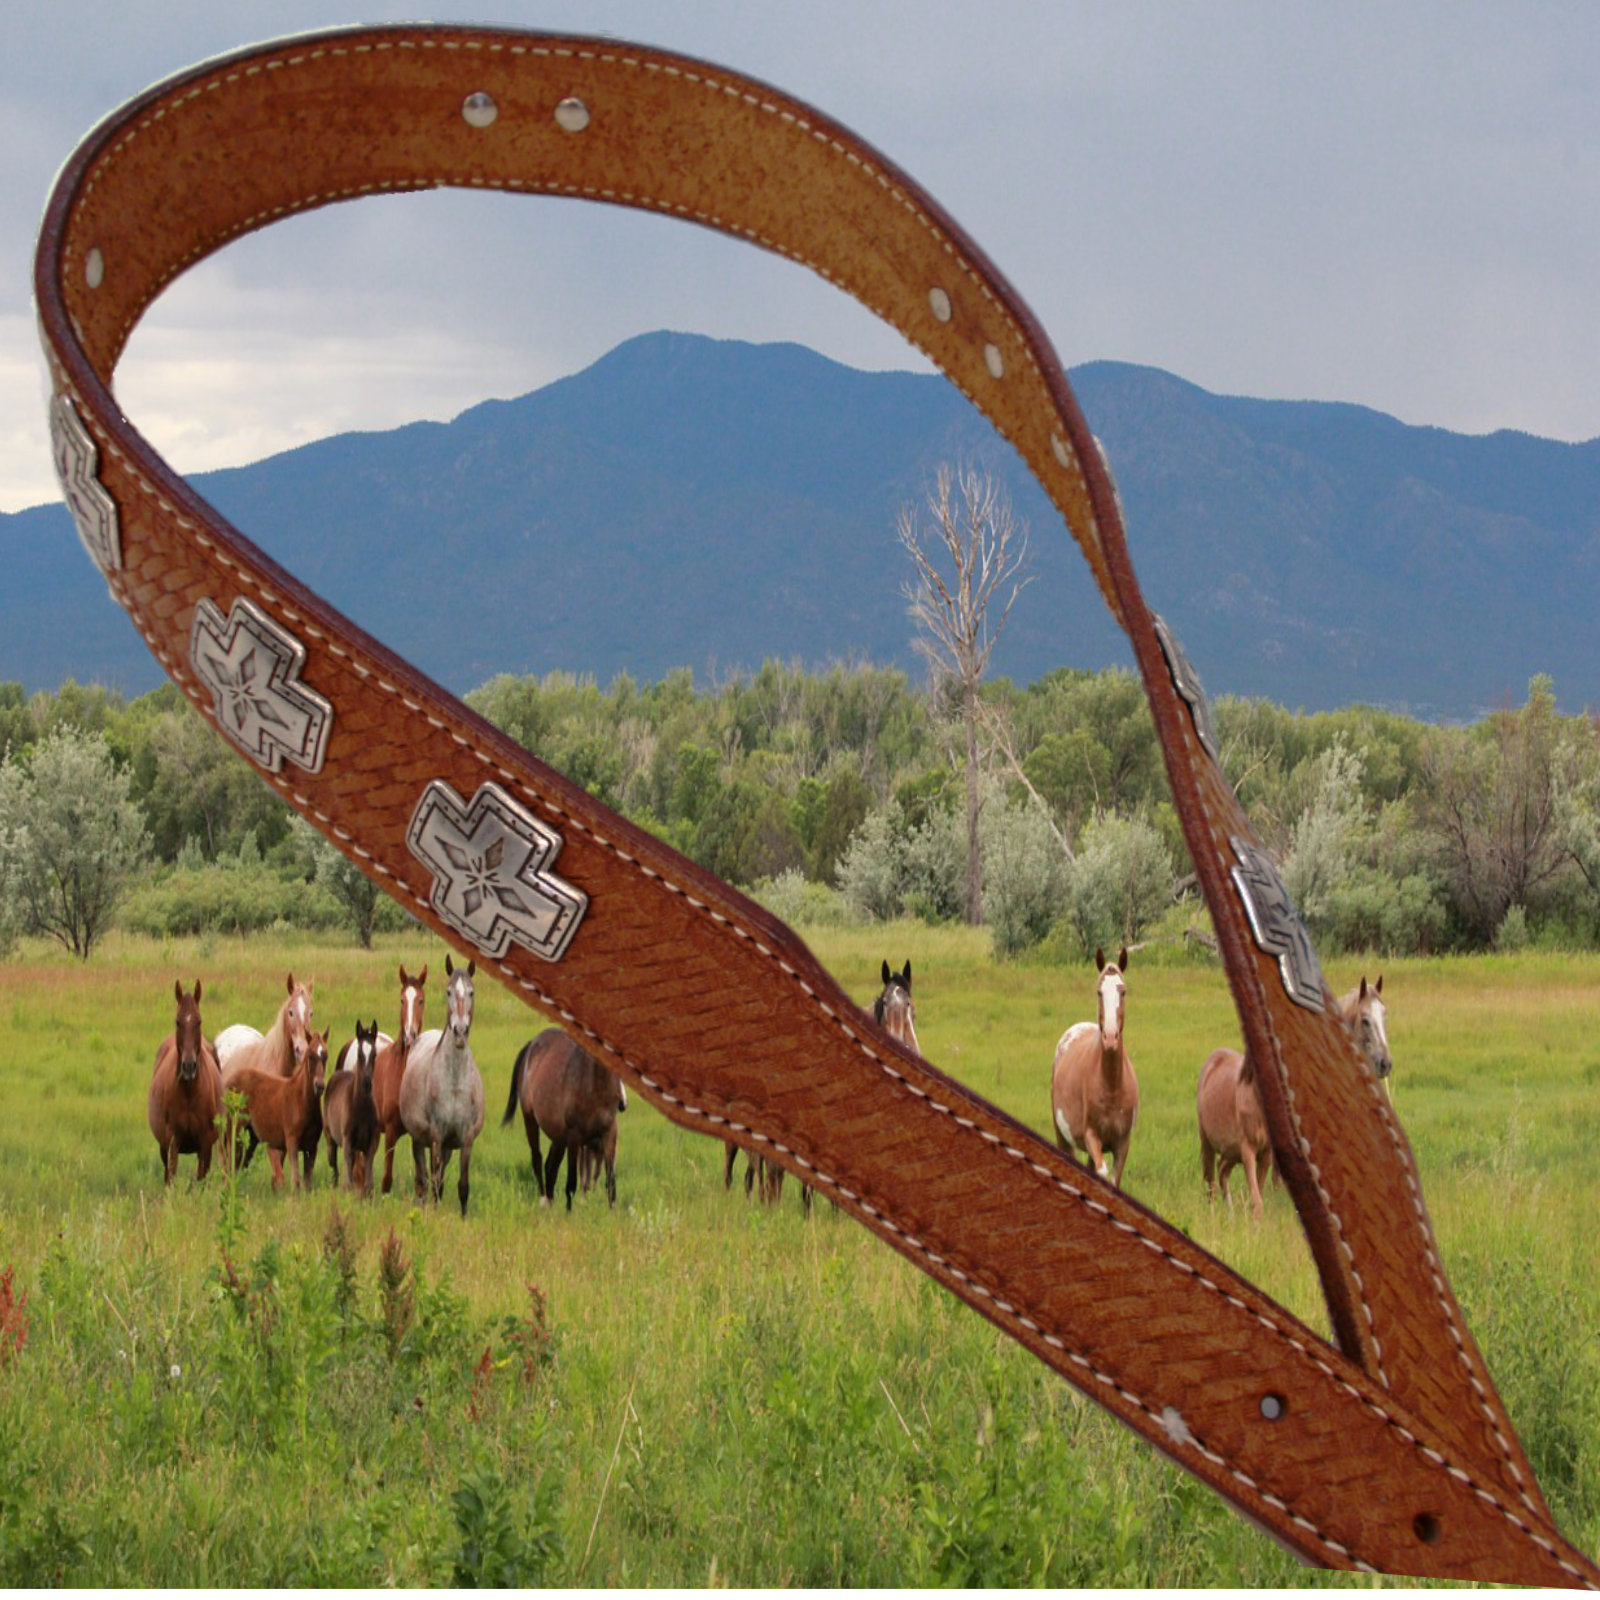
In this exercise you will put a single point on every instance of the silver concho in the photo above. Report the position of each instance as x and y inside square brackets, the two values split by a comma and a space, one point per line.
[77, 459]
[252, 664]
[490, 862]
[1187, 682]
[1276, 924]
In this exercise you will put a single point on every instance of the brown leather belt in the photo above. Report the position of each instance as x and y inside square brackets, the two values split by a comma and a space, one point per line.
[1391, 1451]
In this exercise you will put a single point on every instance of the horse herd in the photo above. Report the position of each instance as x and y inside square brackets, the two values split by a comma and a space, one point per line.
[1094, 1093]
[421, 1083]
[426, 1084]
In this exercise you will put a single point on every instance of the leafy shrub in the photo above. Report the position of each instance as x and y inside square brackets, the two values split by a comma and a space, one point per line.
[1120, 882]
[894, 866]
[796, 900]
[227, 897]
[1024, 875]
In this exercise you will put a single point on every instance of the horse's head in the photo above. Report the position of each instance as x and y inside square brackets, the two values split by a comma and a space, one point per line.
[894, 1008]
[316, 1051]
[412, 1002]
[187, 1033]
[297, 1016]
[1113, 991]
[458, 1000]
[1368, 1018]
[366, 1054]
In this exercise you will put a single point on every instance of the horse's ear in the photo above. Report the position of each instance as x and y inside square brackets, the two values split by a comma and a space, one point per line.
[177, 990]
[197, 991]
[1363, 994]
[886, 974]
[449, 969]
[422, 977]
[1377, 987]
[906, 975]
[472, 969]
[1100, 958]
[1122, 960]
[288, 987]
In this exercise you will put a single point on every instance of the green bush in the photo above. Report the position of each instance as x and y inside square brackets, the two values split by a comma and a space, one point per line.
[227, 898]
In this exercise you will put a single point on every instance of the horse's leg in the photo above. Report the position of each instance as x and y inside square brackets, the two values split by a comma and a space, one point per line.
[1096, 1151]
[535, 1156]
[572, 1173]
[203, 1163]
[292, 1155]
[611, 1180]
[169, 1159]
[419, 1160]
[1208, 1169]
[436, 1161]
[730, 1154]
[462, 1186]
[276, 1160]
[552, 1167]
[1249, 1157]
[805, 1199]
[1224, 1167]
[1121, 1162]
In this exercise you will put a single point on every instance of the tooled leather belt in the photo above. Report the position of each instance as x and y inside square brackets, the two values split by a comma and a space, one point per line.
[1391, 1450]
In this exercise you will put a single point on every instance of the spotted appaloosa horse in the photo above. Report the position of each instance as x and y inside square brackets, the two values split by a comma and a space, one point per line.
[441, 1094]
[390, 1068]
[185, 1089]
[1094, 1093]
[1233, 1127]
[1368, 1019]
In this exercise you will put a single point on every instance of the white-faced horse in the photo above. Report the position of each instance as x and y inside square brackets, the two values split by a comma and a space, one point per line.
[1368, 1019]
[282, 1048]
[1094, 1094]
[441, 1094]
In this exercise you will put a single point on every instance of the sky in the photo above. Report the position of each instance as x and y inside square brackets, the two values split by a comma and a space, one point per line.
[1397, 206]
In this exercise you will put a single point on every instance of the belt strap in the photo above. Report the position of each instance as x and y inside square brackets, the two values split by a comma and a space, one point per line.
[1391, 1451]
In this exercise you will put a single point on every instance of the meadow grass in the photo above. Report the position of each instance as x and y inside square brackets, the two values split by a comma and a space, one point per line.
[220, 1385]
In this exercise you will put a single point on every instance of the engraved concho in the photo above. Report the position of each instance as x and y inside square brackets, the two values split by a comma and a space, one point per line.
[490, 862]
[77, 460]
[1277, 926]
[1187, 682]
[252, 664]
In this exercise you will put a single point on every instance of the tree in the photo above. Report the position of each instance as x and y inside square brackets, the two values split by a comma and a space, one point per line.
[960, 570]
[72, 836]
[356, 894]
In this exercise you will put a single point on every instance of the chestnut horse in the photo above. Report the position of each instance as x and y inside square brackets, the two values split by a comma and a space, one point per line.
[441, 1094]
[1368, 1019]
[349, 1117]
[390, 1067]
[573, 1099]
[1233, 1127]
[1094, 1093]
[280, 1112]
[186, 1089]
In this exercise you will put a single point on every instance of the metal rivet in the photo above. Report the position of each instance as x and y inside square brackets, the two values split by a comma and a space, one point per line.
[479, 109]
[1273, 1407]
[94, 269]
[573, 115]
[939, 304]
[994, 360]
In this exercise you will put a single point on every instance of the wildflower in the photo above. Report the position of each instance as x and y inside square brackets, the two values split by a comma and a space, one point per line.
[176, 1372]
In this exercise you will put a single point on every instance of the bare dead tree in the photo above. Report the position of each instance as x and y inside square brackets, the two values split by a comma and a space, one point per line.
[974, 550]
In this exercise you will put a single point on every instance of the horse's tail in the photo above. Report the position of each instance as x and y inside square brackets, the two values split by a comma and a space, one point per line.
[516, 1082]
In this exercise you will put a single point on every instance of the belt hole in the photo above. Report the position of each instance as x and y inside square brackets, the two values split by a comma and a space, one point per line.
[1426, 1527]
[573, 115]
[1273, 1407]
[479, 109]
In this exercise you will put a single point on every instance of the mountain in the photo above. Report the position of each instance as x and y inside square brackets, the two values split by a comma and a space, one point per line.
[703, 503]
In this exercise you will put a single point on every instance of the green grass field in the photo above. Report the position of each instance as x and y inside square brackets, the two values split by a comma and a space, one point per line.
[222, 1385]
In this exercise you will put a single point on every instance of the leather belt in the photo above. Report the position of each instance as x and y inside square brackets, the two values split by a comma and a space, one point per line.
[1388, 1450]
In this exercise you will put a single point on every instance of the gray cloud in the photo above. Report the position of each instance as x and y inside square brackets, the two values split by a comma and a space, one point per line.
[1394, 206]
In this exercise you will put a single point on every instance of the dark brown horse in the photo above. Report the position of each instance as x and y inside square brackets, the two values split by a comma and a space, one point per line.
[279, 1111]
[349, 1116]
[1233, 1127]
[1094, 1094]
[573, 1099]
[186, 1089]
[390, 1068]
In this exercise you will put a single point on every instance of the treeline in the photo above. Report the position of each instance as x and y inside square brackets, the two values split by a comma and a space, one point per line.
[837, 794]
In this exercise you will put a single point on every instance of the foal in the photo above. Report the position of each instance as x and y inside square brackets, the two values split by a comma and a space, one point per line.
[280, 1112]
[349, 1117]
[1094, 1094]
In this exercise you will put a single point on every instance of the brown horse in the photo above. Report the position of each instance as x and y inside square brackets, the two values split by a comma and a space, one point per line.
[573, 1099]
[390, 1068]
[1233, 1127]
[1094, 1093]
[279, 1111]
[282, 1048]
[349, 1117]
[186, 1089]
[1368, 1019]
